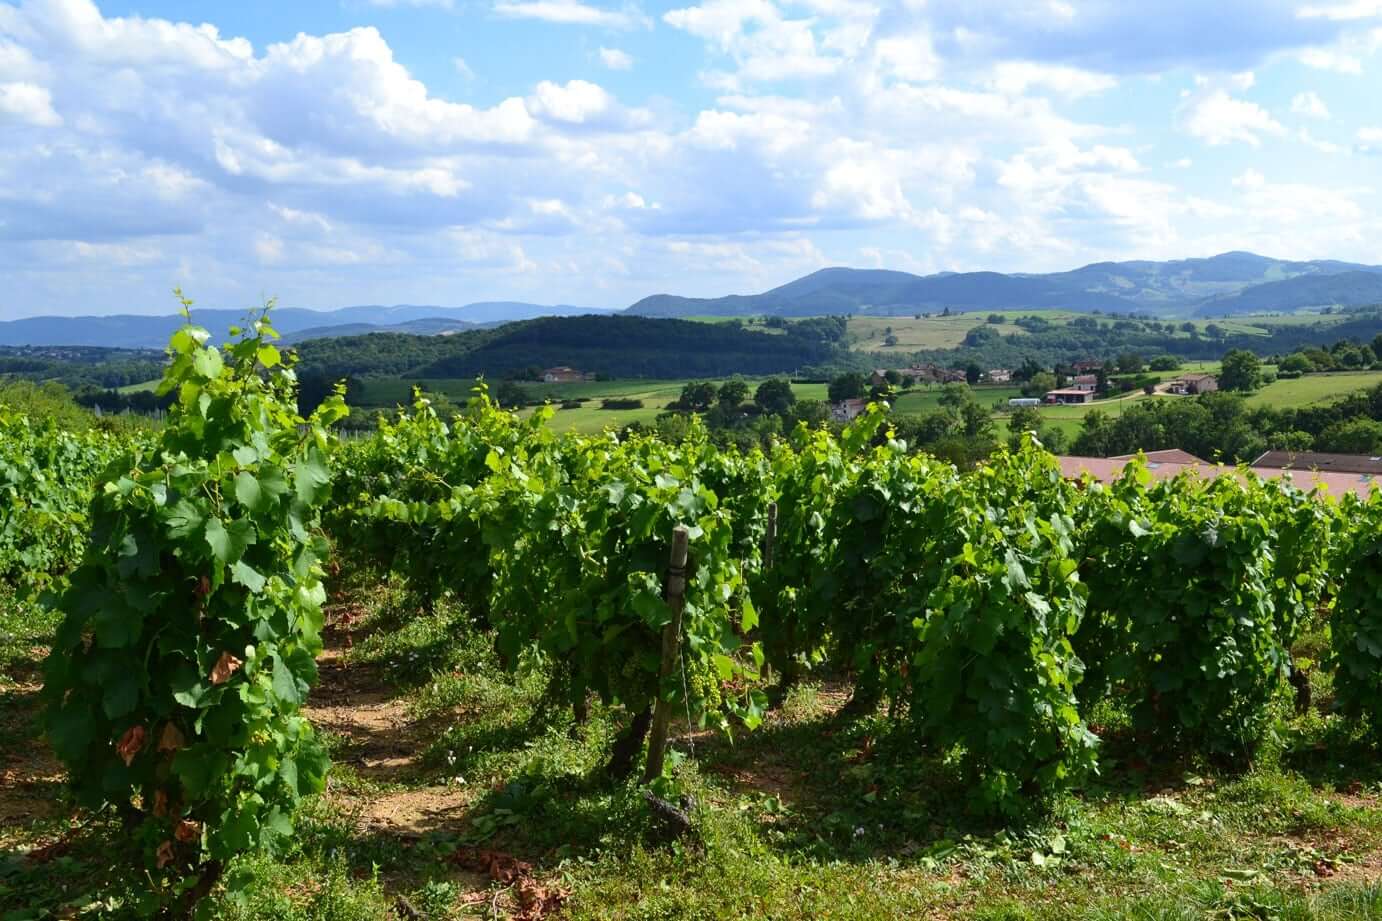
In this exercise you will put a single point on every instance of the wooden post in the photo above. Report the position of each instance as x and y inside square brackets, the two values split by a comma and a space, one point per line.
[671, 639]
[770, 536]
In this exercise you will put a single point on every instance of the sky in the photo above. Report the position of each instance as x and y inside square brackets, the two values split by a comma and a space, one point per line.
[338, 152]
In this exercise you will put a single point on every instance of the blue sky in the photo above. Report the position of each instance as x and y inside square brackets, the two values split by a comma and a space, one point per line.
[572, 151]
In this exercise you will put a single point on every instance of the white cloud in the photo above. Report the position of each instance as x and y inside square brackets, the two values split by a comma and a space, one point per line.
[1332, 59]
[1356, 9]
[1310, 105]
[576, 102]
[1370, 140]
[29, 103]
[571, 12]
[462, 68]
[1217, 118]
[1020, 76]
[614, 59]
[1323, 146]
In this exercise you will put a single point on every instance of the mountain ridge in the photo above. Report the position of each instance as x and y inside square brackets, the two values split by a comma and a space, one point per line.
[1175, 286]
[1222, 285]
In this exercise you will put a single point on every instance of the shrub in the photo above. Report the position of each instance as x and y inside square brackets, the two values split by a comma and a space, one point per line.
[190, 628]
[1356, 627]
[621, 403]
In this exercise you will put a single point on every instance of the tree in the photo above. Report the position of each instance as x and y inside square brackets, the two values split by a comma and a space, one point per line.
[1354, 436]
[775, 396]
[980, 336]
[956, 395]
[892, 376]
[812, 412]
[1188, 327]
[1241, 371]
[1165, 363]
[1297, 363]
[890, 340]
[849, 386]
[1039, 384]
[698, 396]
[997, 319]
[973, 372]
[1130, 363]
[1377, 346]
[1213, 330]
[510, 395]
[1023, 419]
[733, 392]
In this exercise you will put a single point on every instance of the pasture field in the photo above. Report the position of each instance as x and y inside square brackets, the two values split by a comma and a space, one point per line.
[866, 334]
[1313, 388]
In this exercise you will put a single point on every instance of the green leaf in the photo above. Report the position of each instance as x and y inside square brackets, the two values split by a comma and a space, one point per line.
[285, 685]
[247, 491]
[312, 478]
[243, 573]
[228, 542]
[207, 362]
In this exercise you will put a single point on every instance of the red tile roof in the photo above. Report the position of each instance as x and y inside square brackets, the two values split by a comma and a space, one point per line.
[1108, 469]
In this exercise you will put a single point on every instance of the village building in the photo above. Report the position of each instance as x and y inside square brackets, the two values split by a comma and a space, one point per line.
[1088, 382]
[1316, 460]
[1109, 469]
[999, 375]
[847, 410]
[564, 375]
[1192, 384]
[1069, 395]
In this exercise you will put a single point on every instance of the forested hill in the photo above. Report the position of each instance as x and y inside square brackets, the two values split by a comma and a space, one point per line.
[617, 346]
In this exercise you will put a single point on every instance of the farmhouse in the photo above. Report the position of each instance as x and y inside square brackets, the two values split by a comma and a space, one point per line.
[1087, 365]
[1190, 384]
[1088, 382]
[919, 374]
[999, 375]
[1069, 395]
[564, 375]
[847, 410]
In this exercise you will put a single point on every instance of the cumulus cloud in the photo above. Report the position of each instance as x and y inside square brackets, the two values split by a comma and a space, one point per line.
[29, 103]
[1310, 105]
[928, 136]
[614, 59]
[571, 12]
[1217, 118]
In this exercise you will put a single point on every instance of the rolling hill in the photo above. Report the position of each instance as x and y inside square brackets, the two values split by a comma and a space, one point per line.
[1346, 289]
[1179, 286]
[295, 323]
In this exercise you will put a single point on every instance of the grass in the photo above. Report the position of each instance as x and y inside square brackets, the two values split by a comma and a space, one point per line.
[1313, 388]
[588, 418]
[815, 815]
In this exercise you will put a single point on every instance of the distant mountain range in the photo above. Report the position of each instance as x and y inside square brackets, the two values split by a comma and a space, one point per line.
[1227, 284]
[294, 323]
[1224, 284]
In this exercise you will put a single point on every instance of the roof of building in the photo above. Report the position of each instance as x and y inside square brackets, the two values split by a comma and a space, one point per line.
[1069, 391]
[1314, 460]
[1168, 456]
[1108, 469]
[1086, 378]
[1196, 376]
